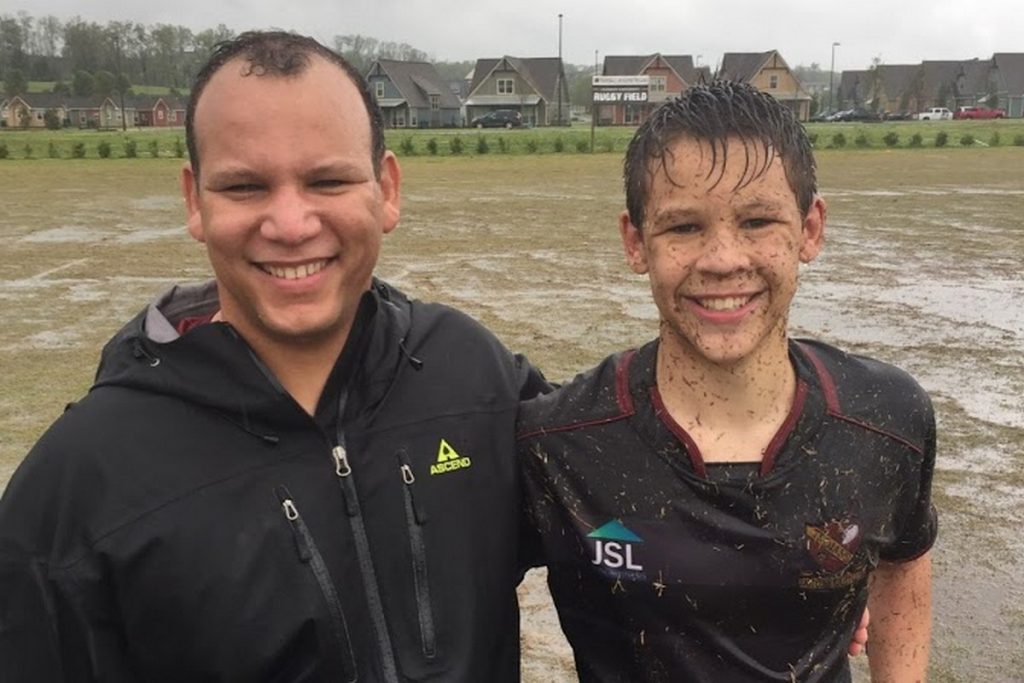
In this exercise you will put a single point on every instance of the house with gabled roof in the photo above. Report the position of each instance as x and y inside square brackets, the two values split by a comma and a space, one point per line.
[974, 84]
[896, 89]
[159, 111]
[769, 73]
[1008, 78]
[413, 94]
[853, 91]
[29, 110]
[667, 77]
[533, 86]
[939, 79]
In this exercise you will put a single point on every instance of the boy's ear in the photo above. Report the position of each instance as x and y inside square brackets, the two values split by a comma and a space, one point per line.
[632, 244]
[813, 238]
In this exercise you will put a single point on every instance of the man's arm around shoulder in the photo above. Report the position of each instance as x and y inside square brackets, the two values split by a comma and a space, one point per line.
[900, 601]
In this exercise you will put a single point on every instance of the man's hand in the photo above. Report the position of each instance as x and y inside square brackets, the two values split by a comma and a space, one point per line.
[900, 598]
[860, 635]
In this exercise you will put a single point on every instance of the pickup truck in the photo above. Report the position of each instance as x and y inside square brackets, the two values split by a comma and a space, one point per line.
[935, 114]
[979, 113]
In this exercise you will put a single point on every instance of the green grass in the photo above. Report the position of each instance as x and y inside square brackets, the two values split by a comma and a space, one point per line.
[17, 142]
[47, 86]
[531, 141]
[982, 131]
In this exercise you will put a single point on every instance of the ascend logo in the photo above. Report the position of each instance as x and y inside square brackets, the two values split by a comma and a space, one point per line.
[614, 550]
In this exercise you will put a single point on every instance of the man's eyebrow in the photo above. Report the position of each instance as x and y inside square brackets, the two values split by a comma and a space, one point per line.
[229, 174]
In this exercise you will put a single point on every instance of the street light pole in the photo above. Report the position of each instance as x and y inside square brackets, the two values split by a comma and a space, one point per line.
[831, 79]
[561, 69]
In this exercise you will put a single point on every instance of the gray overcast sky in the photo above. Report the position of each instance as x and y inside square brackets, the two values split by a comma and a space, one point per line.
[897, 31]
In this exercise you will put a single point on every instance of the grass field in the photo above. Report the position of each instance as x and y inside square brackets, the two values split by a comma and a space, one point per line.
[47, 86]
[922, 267]
[36, 144]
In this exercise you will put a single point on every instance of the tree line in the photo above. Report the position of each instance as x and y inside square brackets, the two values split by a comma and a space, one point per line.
[88, 58]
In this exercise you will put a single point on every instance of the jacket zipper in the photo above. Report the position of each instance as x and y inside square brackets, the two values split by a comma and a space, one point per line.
[348, 489]
[310, 555]
[416, 517]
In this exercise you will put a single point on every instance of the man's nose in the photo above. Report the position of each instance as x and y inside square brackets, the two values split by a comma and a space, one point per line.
[291, 217]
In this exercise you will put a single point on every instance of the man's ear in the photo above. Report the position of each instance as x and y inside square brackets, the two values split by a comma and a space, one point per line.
[632, 244]
[813, 237]
[391, 190]
[190, 191]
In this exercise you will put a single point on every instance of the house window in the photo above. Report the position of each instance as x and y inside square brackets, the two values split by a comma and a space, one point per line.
[412, 119]
[506, 86]
[399, 120]
[659, 83]
[378, 89]
[773, 82]
[160, 114]
[435, 102]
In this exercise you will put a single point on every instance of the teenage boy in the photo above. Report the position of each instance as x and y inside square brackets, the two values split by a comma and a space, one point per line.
[715, 504]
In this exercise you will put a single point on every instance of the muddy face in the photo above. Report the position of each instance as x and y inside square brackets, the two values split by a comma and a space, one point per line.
[722, 251]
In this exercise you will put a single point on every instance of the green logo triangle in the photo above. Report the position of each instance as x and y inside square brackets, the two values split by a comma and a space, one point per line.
[615, 531]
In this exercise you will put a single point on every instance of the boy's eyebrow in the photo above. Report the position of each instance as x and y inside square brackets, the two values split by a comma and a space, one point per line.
[761, 204]
[672, 214]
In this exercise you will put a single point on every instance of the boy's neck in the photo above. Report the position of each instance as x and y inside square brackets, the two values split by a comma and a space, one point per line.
[731, 411]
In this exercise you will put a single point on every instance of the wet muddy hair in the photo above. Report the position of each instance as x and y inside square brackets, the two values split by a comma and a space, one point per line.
[280, 54]
[714, 114]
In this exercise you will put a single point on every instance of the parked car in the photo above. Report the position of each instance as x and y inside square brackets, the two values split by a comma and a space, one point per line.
[979, 113]
[855, 114]
[499, 118]
[897, 116]
[935, 114]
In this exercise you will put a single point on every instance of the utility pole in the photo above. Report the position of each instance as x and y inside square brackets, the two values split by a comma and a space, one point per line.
[593, 108]
[561, 69]
[120, 82]
[831, 78]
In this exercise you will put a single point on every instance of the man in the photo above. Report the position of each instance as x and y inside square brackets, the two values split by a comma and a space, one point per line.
[291, 473]
[714, 504]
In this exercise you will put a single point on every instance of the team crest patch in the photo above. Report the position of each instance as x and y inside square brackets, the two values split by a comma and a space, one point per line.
[833, 546]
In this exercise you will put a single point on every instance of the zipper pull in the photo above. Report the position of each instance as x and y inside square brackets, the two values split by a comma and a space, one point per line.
[341, 466]
[408, 478]
[344, 470]
[291, 513]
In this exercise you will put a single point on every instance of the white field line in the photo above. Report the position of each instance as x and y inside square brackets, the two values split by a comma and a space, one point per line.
[51, 271]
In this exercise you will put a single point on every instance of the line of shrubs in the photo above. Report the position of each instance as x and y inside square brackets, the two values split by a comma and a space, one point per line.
[892, 139]
[458, 145]
[104, 149]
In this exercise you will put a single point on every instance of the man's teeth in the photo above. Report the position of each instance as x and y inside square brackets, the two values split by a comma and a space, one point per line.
[295, 272]
[725, 304]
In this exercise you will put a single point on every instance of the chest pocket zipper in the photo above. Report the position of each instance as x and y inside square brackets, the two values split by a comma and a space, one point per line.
[310, 556]
[416, 518]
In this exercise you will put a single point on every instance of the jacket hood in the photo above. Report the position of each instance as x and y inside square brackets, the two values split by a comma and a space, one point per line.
[211, 365]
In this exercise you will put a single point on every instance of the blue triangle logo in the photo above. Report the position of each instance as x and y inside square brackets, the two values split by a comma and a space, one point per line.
[615, 531]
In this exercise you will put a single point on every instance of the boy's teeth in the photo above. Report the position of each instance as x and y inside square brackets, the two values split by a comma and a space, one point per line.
[724, 304]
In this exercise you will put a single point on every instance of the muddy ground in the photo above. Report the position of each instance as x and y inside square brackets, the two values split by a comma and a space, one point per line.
[923, 268]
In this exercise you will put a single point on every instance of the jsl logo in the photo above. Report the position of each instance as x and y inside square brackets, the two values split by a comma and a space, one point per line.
[613, 547]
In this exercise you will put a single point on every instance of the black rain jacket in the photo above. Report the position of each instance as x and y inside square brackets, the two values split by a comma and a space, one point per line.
[188, 521]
